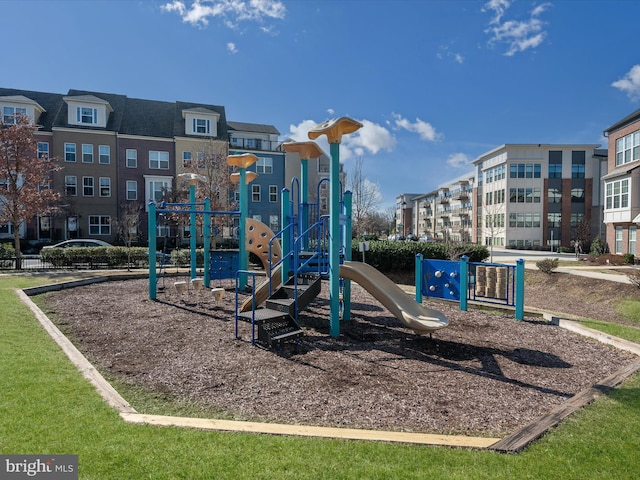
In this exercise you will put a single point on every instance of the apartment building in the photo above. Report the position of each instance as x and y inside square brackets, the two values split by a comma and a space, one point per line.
[537, 194]
[264, 192]
[622, 185]
[118, 153]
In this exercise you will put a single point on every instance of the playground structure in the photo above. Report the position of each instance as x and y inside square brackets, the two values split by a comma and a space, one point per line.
[462, 281]
[309, 247]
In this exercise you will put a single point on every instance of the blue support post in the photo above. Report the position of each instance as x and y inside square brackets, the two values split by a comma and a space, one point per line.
[192, 229]
[348, 233]
[206, 226]
[303, 212]
[334, 239]
[419, 277]
[519, 289]
[243, 260]
[151, 227]
[464, 282]
[286, 235]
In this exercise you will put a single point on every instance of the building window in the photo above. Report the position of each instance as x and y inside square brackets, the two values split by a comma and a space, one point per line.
[255, 193]
[554, 195]
[99, 225]
[157, 189]
[186, 159]
[104, 152]
[159, 160]
[554, 219]
[555, 170]
[132, 158]
[201, 159]
[521, 170]
[43, 150]
[249, 142]
[537, 170]
[10, 114]
[617, 194]
[577, 170]
[69, 152]
[577, 195]
[633, 231]
[87, 115]
[273, 193]
[87, 153]
[618, 240]
[87, 186]
[264, 165]
[201, 126]
[576, 218]
[628, 148]
[555, 164]
[71, 185]
[105, 186]
[132, 190]
[273, 223]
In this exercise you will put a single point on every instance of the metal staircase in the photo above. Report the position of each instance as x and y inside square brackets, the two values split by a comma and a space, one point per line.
[277, 321]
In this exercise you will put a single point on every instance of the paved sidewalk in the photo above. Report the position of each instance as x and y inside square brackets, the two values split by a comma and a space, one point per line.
[606, 272]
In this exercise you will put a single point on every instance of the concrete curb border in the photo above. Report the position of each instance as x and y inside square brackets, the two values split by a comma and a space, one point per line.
[512, 443]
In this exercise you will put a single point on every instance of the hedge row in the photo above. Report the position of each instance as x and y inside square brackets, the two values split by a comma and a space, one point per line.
[389, 256]
[384, 255]
[108, 257]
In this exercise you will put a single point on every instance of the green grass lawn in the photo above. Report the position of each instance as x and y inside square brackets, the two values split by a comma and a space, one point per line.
[47, 407]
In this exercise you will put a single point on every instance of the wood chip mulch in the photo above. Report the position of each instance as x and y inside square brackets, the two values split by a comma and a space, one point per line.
[486, 374]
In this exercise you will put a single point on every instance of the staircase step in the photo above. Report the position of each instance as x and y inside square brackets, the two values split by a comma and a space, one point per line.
[264, 315]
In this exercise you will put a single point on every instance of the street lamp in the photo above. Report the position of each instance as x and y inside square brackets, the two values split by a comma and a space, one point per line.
[404, 219]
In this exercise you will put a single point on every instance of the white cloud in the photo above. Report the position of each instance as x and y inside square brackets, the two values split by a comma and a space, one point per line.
[371, 138]
[517, 35]
[458, 160]
[231, 47]
[498, 7]
[230, 11]
[444, 52]
[630, 83]
[424, 129]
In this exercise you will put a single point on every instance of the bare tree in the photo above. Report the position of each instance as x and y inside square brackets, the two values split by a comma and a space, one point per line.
[26, 177]
[493, 224]
[128, 225]
[366, 196]
[211, 163]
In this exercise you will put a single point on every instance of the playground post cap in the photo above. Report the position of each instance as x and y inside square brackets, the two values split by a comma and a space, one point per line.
[334, 129]
[306, 150]
[242, 160]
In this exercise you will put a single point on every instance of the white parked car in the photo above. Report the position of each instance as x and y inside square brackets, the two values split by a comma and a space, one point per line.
[79, 242]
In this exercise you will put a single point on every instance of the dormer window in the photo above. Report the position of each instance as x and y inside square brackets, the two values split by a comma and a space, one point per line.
[88, 110]
[10, 114]
[202, 126]
[201, 121]
[86, 115]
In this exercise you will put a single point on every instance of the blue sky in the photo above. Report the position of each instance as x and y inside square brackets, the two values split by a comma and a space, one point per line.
[435, 83]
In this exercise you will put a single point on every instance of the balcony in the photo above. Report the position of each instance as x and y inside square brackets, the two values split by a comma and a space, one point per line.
[255, 144]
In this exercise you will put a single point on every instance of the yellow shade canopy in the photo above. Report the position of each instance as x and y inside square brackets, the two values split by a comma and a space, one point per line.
[334, 129]
[248, 178]
[306, 150]
[242, 160]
